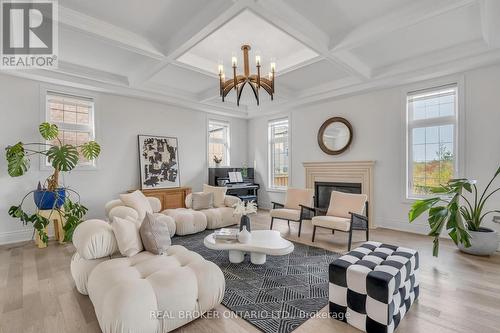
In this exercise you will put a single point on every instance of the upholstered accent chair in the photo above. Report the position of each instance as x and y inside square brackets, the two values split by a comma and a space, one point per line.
[346, 212]
[298, 203]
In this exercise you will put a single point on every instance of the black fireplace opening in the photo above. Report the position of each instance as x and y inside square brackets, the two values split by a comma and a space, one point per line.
[323, 191]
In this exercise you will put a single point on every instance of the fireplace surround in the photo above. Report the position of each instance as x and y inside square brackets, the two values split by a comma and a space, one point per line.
[355, 172]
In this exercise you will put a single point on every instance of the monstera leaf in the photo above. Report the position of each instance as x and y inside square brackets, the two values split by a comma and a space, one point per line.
[91, 150]
[63, 158]
[48, 131]
[17, 162]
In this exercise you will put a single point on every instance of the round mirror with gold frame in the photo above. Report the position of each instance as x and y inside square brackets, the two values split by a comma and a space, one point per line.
[335, 136]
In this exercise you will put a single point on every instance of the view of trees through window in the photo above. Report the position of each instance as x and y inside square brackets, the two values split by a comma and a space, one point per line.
[431, 126]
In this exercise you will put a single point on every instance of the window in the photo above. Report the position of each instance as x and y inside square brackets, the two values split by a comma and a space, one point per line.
[432, 117]
[278, 154]
[218, 142]
[74, 116]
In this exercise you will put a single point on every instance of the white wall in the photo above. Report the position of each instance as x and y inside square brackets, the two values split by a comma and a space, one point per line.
[120, 120]
[378, 135]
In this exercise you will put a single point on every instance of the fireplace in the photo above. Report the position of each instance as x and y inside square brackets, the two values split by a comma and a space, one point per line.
[323, 190]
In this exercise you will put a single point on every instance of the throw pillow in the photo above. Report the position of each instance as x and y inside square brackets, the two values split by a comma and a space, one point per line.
[127, 236]
[219, 194]
[138, 201]
[202, 200]
[154, 234]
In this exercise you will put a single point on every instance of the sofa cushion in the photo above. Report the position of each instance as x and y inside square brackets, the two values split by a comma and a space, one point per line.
[187, 221]
[94, 239]
[126, 292]
[80, 271]
[332, 222]
[127, 236]
[342, 203]
[285, 214]
[220, 217]
[219, 194]
[154, 234]
[202, 200]
[138, 201]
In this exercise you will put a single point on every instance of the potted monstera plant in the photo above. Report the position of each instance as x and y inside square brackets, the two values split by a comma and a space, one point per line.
[460, 208]
[50, 195]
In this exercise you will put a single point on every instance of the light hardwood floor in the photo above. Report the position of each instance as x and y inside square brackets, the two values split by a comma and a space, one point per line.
[459, 292]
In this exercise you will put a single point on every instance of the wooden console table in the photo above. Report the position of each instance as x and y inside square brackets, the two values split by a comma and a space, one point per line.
[169, 197]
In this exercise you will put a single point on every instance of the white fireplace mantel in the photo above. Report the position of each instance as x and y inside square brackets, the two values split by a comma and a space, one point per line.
[345, 171]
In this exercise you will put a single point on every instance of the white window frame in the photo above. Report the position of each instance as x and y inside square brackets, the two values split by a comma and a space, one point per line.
[458, 120]
[45, 91]
[226, 143]
[270, 157]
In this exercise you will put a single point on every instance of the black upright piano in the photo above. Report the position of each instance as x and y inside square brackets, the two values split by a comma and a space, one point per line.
[246, 190]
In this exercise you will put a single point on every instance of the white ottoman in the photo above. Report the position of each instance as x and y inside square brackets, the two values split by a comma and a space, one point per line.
[187, 221]
[150, 293]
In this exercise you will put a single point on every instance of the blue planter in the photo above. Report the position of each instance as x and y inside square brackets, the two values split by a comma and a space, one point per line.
[45, 199]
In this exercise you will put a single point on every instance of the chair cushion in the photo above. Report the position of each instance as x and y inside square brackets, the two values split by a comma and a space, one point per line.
[298, 196]
[332, 222]
[343, 203]
[127, 292]
[127, 236]
[202, 200]
[138, 201]
[154, 234]
[219, 194]
[285, 214]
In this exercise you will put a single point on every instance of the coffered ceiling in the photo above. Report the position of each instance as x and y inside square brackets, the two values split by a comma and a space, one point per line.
[168, 50]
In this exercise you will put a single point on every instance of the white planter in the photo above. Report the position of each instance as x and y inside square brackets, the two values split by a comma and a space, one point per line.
[483, 243]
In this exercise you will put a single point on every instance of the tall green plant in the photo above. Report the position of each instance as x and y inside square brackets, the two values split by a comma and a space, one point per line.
[62, 157]
[451, 208]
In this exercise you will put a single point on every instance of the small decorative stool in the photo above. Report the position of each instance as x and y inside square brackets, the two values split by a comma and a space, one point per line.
[372, 287]
[57, 217]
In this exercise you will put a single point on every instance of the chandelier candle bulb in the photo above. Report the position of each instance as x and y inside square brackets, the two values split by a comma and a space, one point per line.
[257, 60]
[234, 61]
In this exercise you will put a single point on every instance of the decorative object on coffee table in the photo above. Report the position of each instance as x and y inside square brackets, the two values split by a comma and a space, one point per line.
[244, 236]
[373, 286]
[262, 243]
[159, 162]
[244, 209]
[335, 136]
[462, 212]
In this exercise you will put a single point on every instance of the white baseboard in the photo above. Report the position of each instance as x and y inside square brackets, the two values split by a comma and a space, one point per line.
[16, 236]
[10, 237]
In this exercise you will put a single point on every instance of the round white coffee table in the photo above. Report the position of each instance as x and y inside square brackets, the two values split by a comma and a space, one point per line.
[262, 243]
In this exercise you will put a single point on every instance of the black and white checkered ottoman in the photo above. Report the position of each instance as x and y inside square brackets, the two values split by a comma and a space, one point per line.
[372, 287]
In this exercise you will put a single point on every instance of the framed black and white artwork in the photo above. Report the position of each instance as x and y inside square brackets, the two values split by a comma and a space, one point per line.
[159, 162]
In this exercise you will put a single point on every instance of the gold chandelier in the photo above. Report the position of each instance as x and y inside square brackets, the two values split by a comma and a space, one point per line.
[238, 82]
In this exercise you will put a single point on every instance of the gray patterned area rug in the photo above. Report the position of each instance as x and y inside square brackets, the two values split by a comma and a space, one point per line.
[278, 296]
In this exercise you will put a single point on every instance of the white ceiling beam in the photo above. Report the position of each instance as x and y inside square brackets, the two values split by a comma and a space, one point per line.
[296, 25]
[191, 34]
[84, 72]
[411, 14]
[490, 23]
[108, 33]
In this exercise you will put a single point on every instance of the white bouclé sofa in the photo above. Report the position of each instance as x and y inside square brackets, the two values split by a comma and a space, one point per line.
[217, 217]
[146, 292]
